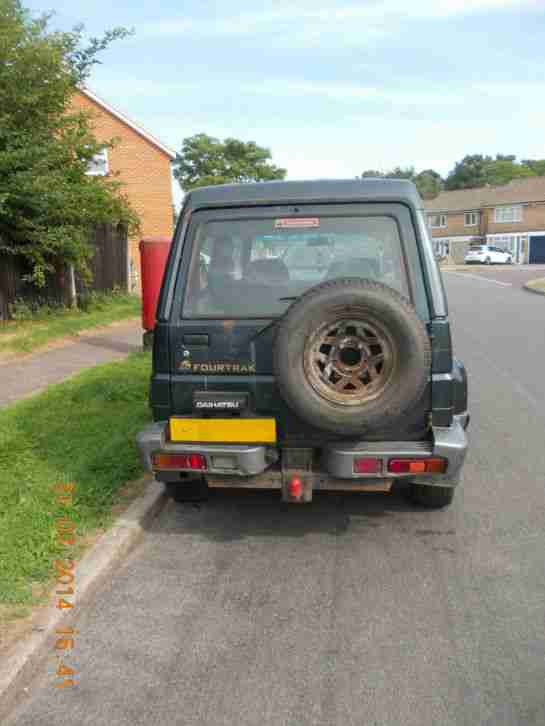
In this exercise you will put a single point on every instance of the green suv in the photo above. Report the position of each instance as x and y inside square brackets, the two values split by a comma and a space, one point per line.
[303, 343]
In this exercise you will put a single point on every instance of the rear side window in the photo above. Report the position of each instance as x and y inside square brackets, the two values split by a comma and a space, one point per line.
[244, 268]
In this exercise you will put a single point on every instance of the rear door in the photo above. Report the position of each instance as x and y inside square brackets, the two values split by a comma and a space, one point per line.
[241, 269]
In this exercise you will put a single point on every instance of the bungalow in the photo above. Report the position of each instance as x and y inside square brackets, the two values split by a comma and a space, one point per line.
[511, 217]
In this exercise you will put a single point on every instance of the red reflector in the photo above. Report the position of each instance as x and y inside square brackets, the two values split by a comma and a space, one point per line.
[436, 466]
[296, 487]
[193, 462]
[367, 466]
[417, 466]
[399, 466]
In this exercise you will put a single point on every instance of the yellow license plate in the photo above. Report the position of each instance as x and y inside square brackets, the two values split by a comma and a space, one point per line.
[223, 430]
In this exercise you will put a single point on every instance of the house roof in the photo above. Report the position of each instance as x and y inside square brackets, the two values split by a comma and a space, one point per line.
[128, 122]
[518, 191]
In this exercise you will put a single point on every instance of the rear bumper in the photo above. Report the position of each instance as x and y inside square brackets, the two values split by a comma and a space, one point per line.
[448, 443]
[337, 460]
[238, 459]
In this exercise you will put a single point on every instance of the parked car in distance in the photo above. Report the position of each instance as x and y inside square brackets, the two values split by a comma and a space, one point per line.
[488, 255]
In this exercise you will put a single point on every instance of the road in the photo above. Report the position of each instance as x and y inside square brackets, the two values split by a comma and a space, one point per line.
[356, 610]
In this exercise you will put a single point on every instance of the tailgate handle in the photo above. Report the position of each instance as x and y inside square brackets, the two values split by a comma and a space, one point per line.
[196, 340]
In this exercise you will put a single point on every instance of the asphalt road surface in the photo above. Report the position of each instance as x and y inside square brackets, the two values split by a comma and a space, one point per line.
[356, 610]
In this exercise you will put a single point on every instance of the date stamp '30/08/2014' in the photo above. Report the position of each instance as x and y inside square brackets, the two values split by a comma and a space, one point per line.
[65, 587]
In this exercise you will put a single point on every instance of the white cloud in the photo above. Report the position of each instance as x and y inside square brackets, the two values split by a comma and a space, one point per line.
[307, 22]
[112, 88]
[348, 92]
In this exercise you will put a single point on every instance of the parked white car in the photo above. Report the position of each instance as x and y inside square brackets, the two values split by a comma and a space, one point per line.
[488, 255]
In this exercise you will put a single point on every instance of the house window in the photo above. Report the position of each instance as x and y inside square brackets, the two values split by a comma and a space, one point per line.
[98, 166]
[436, 221]
[441, 247]
[507, 214]
[471, 219]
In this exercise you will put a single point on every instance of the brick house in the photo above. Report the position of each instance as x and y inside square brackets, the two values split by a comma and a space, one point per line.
[141, 162]
[511, 217]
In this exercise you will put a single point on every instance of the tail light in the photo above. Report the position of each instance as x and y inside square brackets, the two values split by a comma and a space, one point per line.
[191, 462]
[367, 465]
[417, 466]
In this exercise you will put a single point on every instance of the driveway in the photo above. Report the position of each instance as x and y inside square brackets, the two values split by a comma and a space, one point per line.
[357, 610]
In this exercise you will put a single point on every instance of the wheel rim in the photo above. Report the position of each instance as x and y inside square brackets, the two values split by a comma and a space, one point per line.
[349, 362]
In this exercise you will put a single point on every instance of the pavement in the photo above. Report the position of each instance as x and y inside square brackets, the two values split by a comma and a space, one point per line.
[509, 275]
[21, 377]
[356, 610]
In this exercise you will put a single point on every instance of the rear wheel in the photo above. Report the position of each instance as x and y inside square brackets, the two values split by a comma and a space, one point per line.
[431, 497]
[488, 261]
[194, 490]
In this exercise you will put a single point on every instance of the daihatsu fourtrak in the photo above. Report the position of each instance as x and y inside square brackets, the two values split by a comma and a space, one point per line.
[302, 343]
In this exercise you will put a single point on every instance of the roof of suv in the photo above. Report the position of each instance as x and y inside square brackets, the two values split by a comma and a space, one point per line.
[281, 192]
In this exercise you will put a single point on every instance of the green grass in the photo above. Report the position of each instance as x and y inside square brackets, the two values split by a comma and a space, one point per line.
[80, 431]
[36, 328]
[538, 284]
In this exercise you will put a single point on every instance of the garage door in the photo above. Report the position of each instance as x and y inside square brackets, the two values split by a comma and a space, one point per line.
[537, 250]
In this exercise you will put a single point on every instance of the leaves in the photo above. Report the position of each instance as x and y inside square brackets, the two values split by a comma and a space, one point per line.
[477, 170]
[205, 160]
[428, 182]
[473, 171]
[47, 200]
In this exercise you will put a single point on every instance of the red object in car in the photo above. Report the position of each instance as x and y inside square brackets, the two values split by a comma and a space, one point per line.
[153, 258]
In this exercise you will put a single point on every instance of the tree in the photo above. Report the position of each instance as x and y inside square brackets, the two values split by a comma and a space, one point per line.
[536, 165]
[502, 171]
[402, 172]
[428, 182]
[205, 161]
[477, 171]
[468, 173]
[48, 203]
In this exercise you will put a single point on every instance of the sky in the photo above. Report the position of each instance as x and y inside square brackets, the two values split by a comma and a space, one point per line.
[331, 89]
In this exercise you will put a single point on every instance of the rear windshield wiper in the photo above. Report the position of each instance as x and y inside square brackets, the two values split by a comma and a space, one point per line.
[275, 321]
[264, 329]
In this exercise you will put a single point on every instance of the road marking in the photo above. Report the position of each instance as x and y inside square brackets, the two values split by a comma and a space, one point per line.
[480, 277]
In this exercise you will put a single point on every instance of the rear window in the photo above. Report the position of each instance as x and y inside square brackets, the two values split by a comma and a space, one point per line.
[248, 268]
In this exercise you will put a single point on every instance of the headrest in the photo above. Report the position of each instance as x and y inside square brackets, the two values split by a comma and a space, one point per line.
[270, 270]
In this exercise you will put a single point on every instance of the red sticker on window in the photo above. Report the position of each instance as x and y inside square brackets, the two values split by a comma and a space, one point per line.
[297, 223]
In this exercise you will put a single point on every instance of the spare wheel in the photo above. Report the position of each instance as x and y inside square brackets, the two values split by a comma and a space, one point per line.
[351, 356]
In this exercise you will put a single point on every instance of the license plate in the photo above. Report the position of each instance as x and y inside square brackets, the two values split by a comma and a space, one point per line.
[223, 430]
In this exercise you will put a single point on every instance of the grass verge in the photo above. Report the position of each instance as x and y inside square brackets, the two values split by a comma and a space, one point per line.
[82, 432]
[538, 285]
[36, 328]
